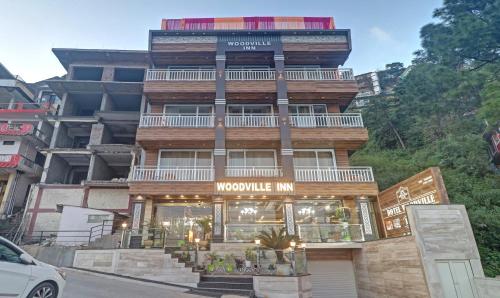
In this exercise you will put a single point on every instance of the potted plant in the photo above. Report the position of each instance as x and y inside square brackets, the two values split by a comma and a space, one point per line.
[250, 257]
[229, 263]
[212, 258]
[278, 241]
[206, 227]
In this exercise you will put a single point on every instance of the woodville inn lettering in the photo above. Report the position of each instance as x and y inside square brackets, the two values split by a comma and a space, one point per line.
[249, 187]
[424, 199]
[249, 45]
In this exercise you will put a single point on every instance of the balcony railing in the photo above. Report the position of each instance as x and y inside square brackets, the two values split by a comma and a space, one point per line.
[180, 75]
[339, 174]
[180, 120]
[319, 74]
[345, 120]
[250, 75]
[342, 232]
[172, 174]
[232, 171]
[252, 120]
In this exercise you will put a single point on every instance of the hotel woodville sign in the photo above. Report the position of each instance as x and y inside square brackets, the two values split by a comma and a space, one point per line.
[254, 187]
[426, 188]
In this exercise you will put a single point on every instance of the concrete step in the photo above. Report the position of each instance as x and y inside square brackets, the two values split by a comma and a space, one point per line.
[225, 285]
[227, 278]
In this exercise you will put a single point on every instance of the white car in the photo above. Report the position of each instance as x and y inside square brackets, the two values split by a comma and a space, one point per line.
[22, 276]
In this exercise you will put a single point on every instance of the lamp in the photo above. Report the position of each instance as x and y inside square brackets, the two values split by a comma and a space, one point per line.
[257, 242]
[292, 244]
[197, 241]
[124, 225]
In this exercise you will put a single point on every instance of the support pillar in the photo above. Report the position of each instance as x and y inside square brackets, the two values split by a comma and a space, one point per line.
[220, 115]
[368, 225]
[218, 220]
[290, 216]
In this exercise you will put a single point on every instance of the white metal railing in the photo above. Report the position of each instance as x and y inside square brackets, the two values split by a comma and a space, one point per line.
[177, 120]
[342, 232]
[180, 75]
[327, 120]
[172, 174]
[250, 74]
[253, 172]
[339, 174]
[252, 120]
[319, 74]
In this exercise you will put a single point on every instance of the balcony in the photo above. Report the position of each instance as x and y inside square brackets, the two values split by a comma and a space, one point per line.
[176, 131]
[319, 74]
[250, 75]
[181, 120]
[327, 120]
[339, 174]
[253, 172]
[183, 84]
[158, 174]
[252, 120]
[180, 75]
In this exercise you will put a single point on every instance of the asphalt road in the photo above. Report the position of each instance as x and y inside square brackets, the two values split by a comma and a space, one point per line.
[81, 284]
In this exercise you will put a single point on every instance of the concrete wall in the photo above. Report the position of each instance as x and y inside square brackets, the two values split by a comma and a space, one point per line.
[282, 286]
[488, 287]
[77, 219]
[102, 198]
[389, 268]
[99, 170]
[55, 169]
[64, 196]
[60, 256]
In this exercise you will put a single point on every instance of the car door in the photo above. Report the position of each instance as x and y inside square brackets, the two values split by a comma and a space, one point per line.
[14, 275]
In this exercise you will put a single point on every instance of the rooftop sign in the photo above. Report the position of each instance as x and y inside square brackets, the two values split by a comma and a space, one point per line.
[425, 188]
[249, 23]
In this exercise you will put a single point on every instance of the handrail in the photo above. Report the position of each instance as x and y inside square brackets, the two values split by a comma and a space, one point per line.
[250, 74]
[344, 120]
[176, 120]
[172, 174]
[180, 75]
[251, 120]
[319, 74]
[253, 171]
[338, 174]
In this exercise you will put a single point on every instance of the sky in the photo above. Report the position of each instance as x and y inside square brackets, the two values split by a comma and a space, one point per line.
[383, 31]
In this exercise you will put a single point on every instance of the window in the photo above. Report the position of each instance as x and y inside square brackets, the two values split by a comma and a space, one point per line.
[255, 212]
[315, 159]
[251, 158]
[188, 110]
[249, 109]
[185, 159]
[307, 110]
[8, 143]
[7, 254]
[97, 218]
[316, 211]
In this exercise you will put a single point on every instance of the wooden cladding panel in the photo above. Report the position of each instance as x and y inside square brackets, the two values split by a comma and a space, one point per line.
[342, 138]
[323, 254]
[171, 188]
[253, 137]
[159, 48]
[250, 86]
[335, 189]
[157, 137]
[333, 108]
[179, 86]
[342, 157]
[151, 158]
[321, 86]
[315, 47]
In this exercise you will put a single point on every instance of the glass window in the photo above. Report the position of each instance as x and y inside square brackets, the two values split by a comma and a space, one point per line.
[7, 254]
[307, 109]
[185, 159]
[251, 158]
[255, 212]
[249, 109]
[314, 159]
[187, 109]
[97, 218]
[324, 211]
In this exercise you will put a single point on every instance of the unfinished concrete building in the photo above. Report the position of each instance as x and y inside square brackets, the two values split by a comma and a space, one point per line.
[93, 143]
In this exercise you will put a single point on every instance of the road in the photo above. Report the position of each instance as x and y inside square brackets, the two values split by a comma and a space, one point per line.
[81, 284]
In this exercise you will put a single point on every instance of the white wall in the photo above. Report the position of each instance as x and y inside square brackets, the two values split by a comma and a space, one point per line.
[9, 149]
[76, 219]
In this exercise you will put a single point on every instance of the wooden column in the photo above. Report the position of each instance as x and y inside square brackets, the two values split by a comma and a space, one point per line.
[220, 115]
[282, 90]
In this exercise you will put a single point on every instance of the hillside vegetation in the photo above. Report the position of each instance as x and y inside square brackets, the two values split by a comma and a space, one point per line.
[438, 114]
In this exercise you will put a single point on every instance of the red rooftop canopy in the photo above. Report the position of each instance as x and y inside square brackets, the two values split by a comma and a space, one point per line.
[249, 23]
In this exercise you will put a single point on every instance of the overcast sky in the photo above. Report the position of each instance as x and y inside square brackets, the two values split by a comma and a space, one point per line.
[383, 31]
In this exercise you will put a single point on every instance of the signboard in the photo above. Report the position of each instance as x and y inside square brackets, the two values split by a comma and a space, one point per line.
[249, 43]
[426, 188]
[254, 187]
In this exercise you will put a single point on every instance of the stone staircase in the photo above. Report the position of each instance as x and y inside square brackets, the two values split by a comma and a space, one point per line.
[241, 286]
[156, 265]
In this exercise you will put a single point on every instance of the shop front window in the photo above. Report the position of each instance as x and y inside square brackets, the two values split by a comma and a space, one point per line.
[327, 221]
[246, 219]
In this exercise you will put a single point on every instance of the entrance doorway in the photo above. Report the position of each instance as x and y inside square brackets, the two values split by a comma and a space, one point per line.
[183, 222]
